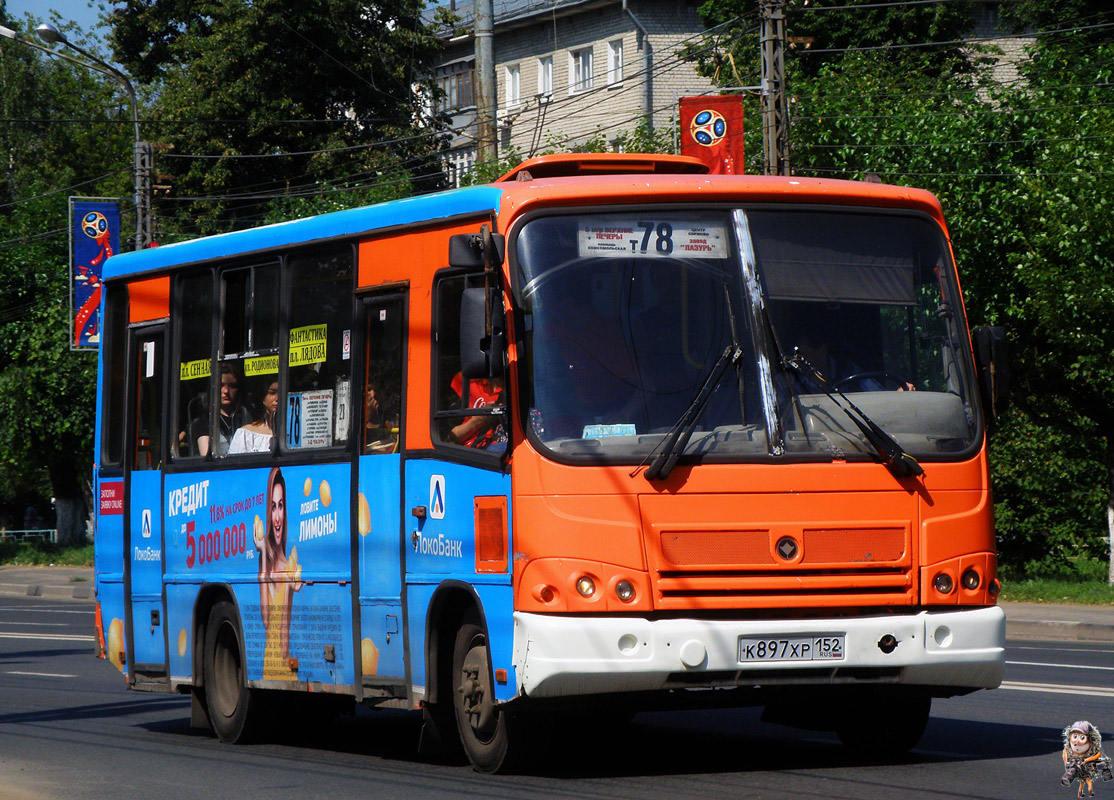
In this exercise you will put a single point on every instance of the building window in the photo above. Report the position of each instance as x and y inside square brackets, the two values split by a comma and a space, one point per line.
[580, 70]
[455, 82]
[545, 77]
[615, 62]
[511, 79]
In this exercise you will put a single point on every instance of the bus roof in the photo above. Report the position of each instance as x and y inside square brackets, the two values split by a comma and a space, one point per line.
[475, 200]
[570, 179]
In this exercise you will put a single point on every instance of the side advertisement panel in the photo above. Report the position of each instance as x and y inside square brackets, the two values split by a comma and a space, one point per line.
[281, 538]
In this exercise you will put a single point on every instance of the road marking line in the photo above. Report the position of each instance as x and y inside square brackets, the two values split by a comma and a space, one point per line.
[1061, 649]
[43, 674]
[1055, 688]
[41, 610]
[1063, 666]
[47, 636]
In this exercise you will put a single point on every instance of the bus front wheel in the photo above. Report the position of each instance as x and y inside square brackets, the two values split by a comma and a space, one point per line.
[889, 728]
[481, 724]
[227, 696]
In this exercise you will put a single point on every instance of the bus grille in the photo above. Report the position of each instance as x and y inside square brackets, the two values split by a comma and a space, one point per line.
[742, 568]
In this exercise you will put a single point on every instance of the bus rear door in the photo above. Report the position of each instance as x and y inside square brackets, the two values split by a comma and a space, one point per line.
[143, 530]
[378, 498]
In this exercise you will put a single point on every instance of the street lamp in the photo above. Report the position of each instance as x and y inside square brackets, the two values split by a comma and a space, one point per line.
[51, 35]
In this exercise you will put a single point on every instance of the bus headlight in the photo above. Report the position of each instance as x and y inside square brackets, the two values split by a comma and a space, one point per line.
[970, 580]
[585, 586]
[624, 590]
[943, 583]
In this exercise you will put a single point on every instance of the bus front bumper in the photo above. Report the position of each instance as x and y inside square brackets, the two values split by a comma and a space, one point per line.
[562, 656]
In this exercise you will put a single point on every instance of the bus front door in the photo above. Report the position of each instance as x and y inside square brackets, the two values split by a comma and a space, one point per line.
[378, 499]
[143, 529]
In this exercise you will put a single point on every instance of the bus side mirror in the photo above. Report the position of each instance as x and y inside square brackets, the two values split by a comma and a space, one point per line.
[481, 355]
[992, 365]
[467, 250]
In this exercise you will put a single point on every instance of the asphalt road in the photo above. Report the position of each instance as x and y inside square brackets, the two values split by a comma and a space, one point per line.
[69, 729]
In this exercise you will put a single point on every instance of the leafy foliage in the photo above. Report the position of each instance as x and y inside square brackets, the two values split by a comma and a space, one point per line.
[328, 84]
[1022, 169]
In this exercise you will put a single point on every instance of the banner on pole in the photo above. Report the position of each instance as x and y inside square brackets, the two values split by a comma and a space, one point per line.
[712, 130]
[94, 238]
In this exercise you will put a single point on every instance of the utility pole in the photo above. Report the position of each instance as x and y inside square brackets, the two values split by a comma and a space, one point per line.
[775, 116]
[483, 27]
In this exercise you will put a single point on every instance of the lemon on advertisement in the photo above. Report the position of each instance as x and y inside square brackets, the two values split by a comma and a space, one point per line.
[308, 344]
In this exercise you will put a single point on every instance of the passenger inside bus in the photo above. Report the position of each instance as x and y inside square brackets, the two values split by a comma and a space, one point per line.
[256, 436]
[485, 432]
[826, 337]
[233, 414]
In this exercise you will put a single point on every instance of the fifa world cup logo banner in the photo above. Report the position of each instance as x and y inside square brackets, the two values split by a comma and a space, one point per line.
[94, 238]
[712, 131]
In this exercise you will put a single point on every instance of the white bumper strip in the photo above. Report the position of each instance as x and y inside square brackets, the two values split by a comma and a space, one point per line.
[558, 656]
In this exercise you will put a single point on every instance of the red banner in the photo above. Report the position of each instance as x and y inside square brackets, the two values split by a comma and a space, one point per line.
[712, 130]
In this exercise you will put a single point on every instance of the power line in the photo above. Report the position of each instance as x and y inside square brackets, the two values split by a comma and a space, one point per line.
[953, 42]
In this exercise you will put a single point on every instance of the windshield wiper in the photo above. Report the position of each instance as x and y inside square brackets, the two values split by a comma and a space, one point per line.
[679, 435]
[900, 463]
[678, 438]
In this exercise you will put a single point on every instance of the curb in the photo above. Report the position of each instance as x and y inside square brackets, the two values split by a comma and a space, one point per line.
[53, 592]
[1059, 630]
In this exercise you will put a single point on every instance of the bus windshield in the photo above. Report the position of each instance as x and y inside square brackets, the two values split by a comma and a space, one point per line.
[629, 316]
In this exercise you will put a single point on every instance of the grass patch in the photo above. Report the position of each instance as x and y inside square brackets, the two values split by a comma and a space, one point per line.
[1075, 579]
[1046, 590]
[42, 554]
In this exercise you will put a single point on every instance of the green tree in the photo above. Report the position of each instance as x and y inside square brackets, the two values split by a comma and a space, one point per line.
[310, 103]
[1022, 171]
[65, 131]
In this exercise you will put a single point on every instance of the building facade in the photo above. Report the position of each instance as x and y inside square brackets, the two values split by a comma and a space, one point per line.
[570, 71]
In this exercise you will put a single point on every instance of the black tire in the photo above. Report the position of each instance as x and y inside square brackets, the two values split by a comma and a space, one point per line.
[482, 725]
[229, 700]
[890, 726]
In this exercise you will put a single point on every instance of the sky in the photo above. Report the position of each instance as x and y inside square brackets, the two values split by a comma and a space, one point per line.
[82, 12]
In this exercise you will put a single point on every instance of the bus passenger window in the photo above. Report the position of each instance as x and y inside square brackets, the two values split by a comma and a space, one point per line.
[115, 384]
[464, 408]
[247, 385]
[318, 400]
[383, 395]
[148, 415]
[194, 313]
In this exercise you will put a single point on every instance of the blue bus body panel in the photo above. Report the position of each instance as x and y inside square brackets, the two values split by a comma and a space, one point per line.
[380, 554]
[145, 556]
[442, 547]
[351, 222]
[212, 522]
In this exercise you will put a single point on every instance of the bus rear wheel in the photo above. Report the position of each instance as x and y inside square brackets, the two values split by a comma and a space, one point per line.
[483, 727]
[227, 696]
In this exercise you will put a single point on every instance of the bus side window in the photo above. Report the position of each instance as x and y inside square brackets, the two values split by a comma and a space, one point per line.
[149, 402]
[383, 395]
[194, 314]
[318, 400]
[116, 378]
[461, 416]
[247, 383]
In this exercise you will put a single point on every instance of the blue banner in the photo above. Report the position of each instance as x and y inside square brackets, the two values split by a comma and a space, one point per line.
[94, 238]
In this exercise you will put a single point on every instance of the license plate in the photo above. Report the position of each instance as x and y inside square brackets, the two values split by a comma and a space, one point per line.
[791, 648]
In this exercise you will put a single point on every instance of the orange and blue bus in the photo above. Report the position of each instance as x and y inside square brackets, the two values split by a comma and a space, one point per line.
[610, 434]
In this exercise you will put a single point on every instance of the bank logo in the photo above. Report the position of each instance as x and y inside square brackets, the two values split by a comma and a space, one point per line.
[146, 523]
[436, 496]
